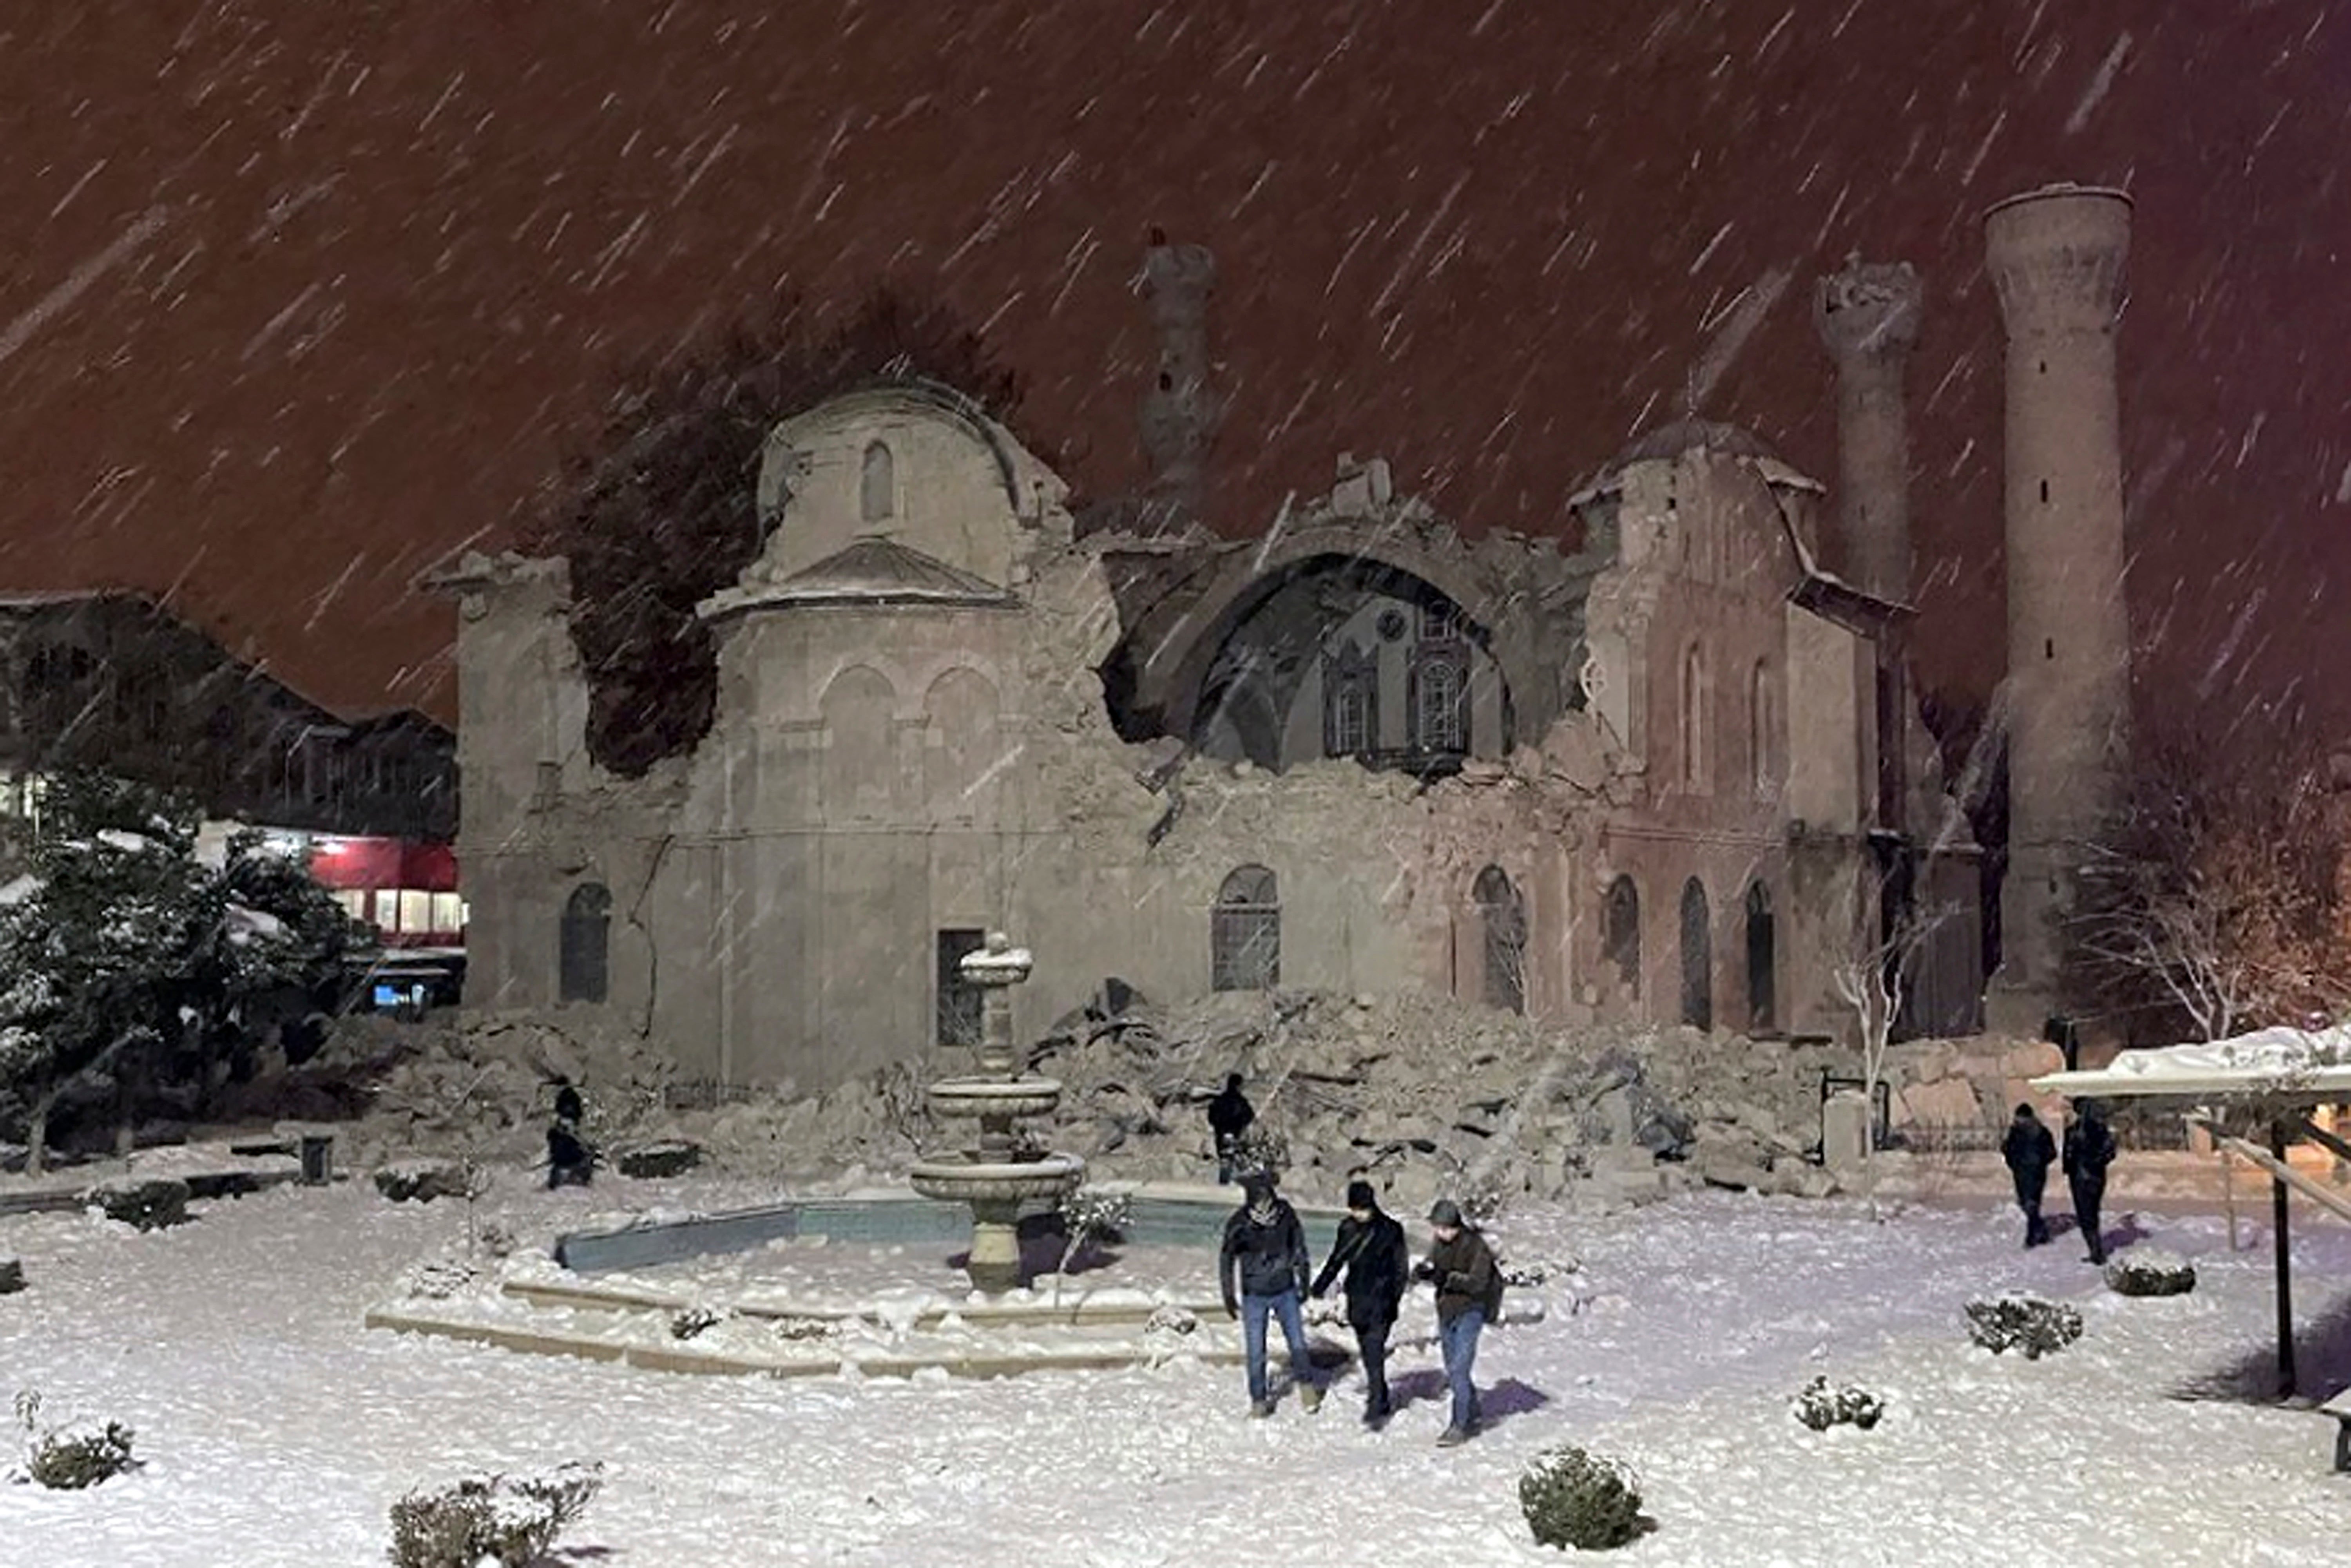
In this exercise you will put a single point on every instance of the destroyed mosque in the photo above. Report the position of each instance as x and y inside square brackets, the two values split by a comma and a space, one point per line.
[1659, 768]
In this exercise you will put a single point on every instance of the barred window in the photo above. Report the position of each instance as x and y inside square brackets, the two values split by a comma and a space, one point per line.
[1245, 932]
[1440, 711]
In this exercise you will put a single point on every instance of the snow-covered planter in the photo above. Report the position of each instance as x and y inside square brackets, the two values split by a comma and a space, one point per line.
[1579, 1499]
[2017, 1321]
[148, 1203]
[656, 1161]
[69, 1462]
[422, 1181]
[2150, 1273]
[511, 1521]
[1821, 1405]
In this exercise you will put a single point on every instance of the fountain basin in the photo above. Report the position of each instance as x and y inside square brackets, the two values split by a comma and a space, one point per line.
[1012, 1098]
[956, 1180]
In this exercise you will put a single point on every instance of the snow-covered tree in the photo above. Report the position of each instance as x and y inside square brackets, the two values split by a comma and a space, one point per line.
[121, 944]
[2215, 896]
[1873, 978]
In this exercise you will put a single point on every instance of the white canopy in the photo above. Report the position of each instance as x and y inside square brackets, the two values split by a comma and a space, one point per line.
[2310, 1066]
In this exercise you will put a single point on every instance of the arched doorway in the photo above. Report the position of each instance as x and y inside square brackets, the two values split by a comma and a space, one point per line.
[1697, 958]
[583, 943]
[1502, 917]
[1762, 960]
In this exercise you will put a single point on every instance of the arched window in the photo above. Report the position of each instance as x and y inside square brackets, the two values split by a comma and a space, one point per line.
[1440, 707]
[1762, 960]
[877, 489]
[1697, 957]
[1245, 932]
[1761, 725]
[1620, 932]
[1693, 718]
[1503, 915]
[1350, 701]
[585, 939]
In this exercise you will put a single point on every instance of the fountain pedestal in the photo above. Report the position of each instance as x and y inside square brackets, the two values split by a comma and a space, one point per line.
[999, 1172]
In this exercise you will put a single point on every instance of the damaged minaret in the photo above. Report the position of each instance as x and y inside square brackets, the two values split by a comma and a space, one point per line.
[1180, 413]
[2056, 256]
[1868, 317]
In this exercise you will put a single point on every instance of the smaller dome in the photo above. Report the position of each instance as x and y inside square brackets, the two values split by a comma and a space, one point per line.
[1667, 442]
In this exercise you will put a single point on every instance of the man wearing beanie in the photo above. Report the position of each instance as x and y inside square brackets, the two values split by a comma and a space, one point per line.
[1371, 1248]
[1264, 1253]
[1469, 1295]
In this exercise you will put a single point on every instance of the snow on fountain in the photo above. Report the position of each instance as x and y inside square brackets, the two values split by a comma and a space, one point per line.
[1003, 1171]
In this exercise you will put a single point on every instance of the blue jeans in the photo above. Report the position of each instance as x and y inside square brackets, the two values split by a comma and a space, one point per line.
[1293, 1329]
[1460, 1339]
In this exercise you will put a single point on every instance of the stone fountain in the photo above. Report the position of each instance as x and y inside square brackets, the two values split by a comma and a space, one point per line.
[1001, 1171]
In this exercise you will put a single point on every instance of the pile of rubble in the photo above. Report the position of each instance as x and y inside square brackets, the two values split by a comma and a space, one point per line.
[1431, 1095]
[1434, 1095]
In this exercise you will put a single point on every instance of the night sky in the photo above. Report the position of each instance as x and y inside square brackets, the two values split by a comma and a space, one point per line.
[298, 295]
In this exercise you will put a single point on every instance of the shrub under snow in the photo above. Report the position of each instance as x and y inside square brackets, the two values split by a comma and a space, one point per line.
[68, 1462]
[510, 1521]
[2017, 1321]
[2150, 1273]
[1821, 1406]
[1574, 1499]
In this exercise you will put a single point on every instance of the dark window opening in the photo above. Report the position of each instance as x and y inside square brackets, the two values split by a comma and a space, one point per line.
[584, 946]
[2044, 492]
[959, 1010]
[1620, 932]
[1697, 958]
[1762, 960]
[1502, 915]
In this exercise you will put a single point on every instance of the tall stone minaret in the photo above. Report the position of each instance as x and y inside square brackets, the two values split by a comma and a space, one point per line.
[1867, 315]
[2056, 256]
[1179, 412]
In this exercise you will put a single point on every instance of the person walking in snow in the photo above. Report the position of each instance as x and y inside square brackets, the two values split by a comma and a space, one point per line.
[1372, 1249]
[1468, 1296]
[1229, 1115]
[2089, 1150]
[1263, 1269]
[2030, 1151]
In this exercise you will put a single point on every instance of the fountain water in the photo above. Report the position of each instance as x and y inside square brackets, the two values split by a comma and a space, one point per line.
[1001, 1172]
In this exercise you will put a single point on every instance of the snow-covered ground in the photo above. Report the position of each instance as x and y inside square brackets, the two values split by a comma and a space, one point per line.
[277, 1431]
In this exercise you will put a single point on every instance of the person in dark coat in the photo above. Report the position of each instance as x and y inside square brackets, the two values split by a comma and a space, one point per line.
[569, 1161]
[2089, 1150]
[1263, 1271]
[1229, 1115]
[2030, 1151]
[1468, 1283]
[1378, 1260]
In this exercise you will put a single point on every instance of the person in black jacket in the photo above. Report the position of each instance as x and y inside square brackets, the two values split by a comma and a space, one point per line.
[2089, 1150]
[1265, 1256]
[1371, 1248]
[1468, 1283]
[2030, 1151]
[1229, 1115]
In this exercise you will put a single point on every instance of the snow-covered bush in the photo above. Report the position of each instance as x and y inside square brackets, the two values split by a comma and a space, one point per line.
[693, 1322]
[144, 1203]
[510, 1521]
[68, 1462]
[12, 1276]
[1574, 1499]
[662, 1158]
[1261, 1149]
[2020, 1322]
[437, 1279]
[806, 1328]
[1821, 1406]
[1528, 1276]
[2150, 1273]
[1171, 1319]
[423, 1180]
